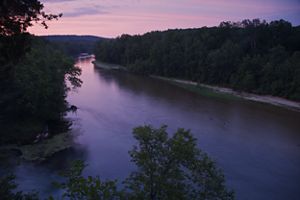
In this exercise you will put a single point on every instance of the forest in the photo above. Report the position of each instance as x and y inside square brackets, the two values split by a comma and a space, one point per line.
[34, 76]
[73, 45]
[33, 92]
[251, 55]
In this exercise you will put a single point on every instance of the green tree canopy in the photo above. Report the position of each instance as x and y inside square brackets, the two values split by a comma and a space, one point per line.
[172, 167]
[77, 187]
[33, 75]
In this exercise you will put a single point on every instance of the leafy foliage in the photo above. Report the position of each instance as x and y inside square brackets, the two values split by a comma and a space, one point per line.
[17, 15]
[77, 187]
[251, 55]
[7, 187]
[15, 18]
[32, 74]
[172, 168]
[35, 95]
[167, 168]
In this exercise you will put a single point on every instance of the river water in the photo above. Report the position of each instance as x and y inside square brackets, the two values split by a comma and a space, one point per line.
[256, 145]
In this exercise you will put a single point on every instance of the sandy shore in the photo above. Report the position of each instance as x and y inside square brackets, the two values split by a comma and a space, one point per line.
[107, 66]
[277, 101]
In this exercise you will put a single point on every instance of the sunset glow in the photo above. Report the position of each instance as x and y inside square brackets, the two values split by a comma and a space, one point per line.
[110, 18]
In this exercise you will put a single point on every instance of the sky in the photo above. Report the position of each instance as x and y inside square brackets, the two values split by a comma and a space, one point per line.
[112, 18]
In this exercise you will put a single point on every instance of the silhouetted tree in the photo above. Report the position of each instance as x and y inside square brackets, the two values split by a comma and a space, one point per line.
[17, 15]
[168, 167]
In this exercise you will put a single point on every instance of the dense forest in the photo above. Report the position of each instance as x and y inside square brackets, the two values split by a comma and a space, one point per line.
[252, 55]
[33, 76]
[34, 96]
[73, 45]
[33, 86]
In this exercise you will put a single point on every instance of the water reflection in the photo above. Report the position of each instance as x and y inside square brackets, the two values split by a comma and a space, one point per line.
[255, 144]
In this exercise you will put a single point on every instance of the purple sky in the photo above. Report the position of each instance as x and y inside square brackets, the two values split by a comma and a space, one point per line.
[111, 18]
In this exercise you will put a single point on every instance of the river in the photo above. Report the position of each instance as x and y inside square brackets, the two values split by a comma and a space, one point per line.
[256, 145]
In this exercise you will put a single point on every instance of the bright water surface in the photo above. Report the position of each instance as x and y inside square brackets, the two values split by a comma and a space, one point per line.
[257, 145]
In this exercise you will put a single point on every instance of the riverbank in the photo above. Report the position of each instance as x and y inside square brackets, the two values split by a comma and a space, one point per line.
[42, 150]
[107, 66]
[276, 101]
[214, 91]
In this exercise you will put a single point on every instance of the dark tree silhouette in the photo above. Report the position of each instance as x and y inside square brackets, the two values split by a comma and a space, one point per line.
[17, 15]
[33, 74]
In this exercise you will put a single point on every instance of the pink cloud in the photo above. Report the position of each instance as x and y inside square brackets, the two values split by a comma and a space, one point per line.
[113, 17]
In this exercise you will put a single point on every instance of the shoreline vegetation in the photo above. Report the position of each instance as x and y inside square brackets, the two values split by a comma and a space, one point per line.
[252, 56]
[268, 99]
[224, 91]
[34, 100]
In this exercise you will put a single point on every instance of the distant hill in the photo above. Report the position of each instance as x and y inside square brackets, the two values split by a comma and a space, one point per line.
[72, 38]
[73, 45]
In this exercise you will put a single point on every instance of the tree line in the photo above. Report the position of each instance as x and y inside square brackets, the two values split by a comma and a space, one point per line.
[251, 55]
[73, 45]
